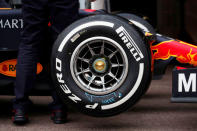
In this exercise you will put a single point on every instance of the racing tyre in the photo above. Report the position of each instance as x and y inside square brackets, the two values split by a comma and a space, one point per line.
[139, 22]
[101, 64]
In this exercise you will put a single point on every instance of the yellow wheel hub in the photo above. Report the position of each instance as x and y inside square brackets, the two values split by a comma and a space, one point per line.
[99, 65]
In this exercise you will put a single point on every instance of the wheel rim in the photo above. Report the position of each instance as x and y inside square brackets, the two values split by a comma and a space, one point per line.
[99, 65]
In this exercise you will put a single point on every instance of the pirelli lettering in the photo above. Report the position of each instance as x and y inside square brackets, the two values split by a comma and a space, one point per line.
[62, 85]
[129, 42]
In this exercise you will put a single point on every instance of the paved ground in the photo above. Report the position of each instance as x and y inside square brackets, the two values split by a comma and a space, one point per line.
[153, 112]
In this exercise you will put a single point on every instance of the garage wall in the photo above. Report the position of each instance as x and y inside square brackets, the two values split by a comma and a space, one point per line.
[141, 7]
[191, 19]
[175, 18]
[168, 17]
[99, 4]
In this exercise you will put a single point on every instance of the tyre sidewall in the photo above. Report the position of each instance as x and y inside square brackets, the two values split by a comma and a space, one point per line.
[89, 103]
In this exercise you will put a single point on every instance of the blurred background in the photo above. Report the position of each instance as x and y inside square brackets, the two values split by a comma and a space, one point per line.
[174, 18]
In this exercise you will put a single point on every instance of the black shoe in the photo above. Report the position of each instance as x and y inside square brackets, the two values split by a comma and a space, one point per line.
[59, 116]
[19, 117]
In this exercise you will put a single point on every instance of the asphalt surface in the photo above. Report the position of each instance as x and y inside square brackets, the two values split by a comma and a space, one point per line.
[152, 113]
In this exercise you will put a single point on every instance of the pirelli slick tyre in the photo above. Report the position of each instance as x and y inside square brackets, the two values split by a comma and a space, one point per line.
[139, 22]
[101, 65]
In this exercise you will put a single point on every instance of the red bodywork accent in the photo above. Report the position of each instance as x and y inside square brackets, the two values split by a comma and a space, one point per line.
[89, 10]
[49, 24]
[180, 68]
[182, 51]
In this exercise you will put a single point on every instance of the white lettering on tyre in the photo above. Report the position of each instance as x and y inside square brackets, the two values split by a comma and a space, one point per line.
[92, 106]
[59, 78]
[131, 45]
[59, 68]
[58, 64]
[62, 85]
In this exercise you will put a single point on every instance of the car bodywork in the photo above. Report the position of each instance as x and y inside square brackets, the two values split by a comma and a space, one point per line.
[11, 25]
[164, 50]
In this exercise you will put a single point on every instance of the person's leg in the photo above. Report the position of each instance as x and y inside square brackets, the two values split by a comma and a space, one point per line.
[57, 103]
[62, 14]
[35, 22]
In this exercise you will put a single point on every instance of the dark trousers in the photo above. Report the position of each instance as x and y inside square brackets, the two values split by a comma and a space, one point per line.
[36, 15]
